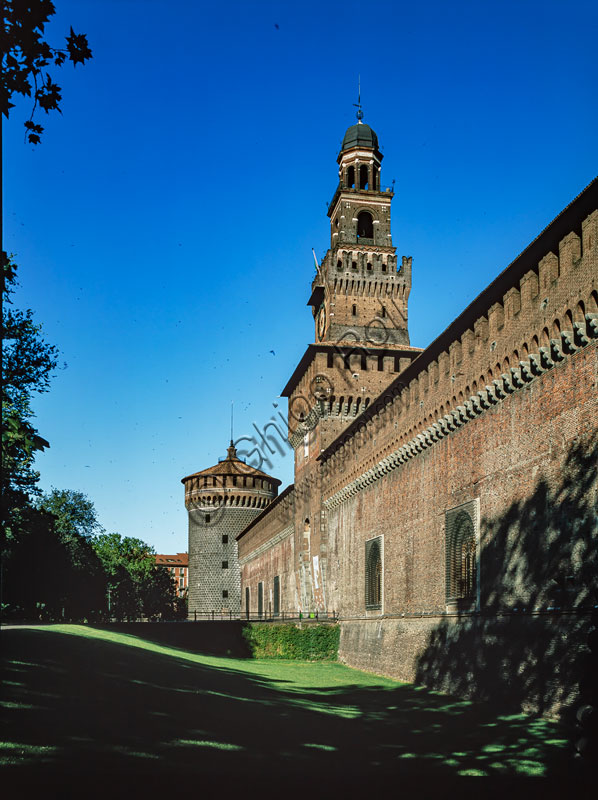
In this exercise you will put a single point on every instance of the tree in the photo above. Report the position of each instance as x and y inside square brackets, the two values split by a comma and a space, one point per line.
[75, 515]
[75, 525]
[137, 586]
[27, 366]
[26, 55]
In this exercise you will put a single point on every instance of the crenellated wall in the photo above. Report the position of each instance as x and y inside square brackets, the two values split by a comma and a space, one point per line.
[548, 314]
[499, 416]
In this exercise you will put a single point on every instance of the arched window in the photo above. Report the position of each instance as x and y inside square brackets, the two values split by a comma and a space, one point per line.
[351, 178]
[363, 177]
[365, 225]
[461, 556]
[373, 574]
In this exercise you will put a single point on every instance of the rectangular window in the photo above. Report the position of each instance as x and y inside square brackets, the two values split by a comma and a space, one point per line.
[260, 599]
[225, 565]
[373, 573]
[225, 593]
[225, 538]
[462, 556]
[276, 599]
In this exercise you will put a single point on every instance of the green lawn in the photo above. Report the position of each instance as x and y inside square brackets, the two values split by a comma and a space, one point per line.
[93, 704]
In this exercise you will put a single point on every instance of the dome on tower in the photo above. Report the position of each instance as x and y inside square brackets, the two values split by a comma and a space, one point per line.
[230, 482]
[232, 465]
[360, 135]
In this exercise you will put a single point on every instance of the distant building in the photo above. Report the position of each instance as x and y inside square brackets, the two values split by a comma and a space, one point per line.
[178, 566]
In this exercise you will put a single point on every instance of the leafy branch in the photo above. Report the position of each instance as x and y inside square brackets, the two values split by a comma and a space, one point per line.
[26, 56]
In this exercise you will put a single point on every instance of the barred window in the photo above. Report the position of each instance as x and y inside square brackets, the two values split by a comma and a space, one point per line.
[260, 599]
[373, 573]
[461, 555]
[276, 595]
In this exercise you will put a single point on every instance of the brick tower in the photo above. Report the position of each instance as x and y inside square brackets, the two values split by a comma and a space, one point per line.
[221, 502]
[359, 302]
[359, 295]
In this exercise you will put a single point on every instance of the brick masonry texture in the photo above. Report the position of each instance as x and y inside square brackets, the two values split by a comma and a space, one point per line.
[207, 577]
[499, 415]
[221, 501]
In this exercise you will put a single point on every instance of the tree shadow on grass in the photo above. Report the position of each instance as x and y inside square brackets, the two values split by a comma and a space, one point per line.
[85, 715]
[539, 571]
[209, 638]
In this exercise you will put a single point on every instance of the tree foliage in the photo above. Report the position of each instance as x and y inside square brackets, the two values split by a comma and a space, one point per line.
[74, 514]
[26, 55]
[137, 586]
[27, 366]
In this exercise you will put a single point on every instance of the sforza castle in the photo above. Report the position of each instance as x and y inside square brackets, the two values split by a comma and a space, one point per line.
[445, 501]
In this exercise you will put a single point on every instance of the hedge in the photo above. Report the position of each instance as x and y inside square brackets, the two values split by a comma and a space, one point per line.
[313, 642]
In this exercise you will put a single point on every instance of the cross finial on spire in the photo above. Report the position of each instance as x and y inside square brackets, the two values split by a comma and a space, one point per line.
[357, 105]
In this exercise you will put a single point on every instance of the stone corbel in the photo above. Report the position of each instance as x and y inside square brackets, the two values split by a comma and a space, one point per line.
[568, 342]
[506, 382]
[499, 390]
[471, 414]
[526, 371]
[580, 336]
[491, 397]
[545, 359]
[516, 378]
[535, 363]
[592, 320]
[555, 350]
[460, 415]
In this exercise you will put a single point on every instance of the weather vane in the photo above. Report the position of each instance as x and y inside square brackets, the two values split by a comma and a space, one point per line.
[232, 403]
[358, 103]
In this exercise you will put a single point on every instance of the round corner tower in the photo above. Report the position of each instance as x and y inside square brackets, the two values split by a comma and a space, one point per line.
[221, 501]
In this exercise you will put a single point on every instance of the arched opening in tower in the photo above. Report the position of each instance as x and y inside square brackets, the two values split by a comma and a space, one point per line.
[363, 177]
[365, 225]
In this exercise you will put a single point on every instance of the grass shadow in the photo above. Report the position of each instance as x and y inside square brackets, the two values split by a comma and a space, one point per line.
[83, 710]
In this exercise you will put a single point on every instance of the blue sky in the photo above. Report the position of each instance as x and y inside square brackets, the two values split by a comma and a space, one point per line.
[164, 226]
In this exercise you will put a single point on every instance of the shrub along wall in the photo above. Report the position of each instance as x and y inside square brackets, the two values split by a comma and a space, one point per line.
[309, 642]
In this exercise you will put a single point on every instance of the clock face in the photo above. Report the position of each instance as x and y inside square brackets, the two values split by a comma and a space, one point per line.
[321, 322]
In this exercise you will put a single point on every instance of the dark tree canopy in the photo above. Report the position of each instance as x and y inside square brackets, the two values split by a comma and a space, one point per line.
[26, 56]
[27, 366]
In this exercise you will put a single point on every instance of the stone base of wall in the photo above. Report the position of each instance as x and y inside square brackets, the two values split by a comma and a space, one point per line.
[523, 662]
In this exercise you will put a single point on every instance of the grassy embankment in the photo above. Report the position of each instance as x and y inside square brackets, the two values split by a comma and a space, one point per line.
[87, 702]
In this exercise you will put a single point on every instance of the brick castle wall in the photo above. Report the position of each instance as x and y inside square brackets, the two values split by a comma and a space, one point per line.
[500, 412]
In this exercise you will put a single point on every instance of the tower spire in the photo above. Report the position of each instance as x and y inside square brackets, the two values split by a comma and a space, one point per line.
[232, 404]
[357, 105]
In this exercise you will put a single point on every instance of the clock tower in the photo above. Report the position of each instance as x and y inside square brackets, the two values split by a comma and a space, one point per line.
[360, 294]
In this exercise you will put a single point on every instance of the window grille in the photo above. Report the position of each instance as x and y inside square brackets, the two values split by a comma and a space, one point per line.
[373, 573]
[276, 599]
[260, 599]
[461, 555]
